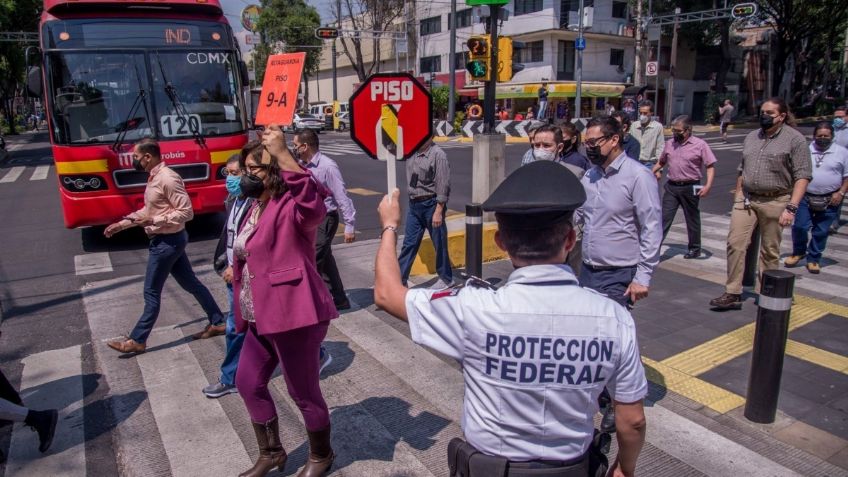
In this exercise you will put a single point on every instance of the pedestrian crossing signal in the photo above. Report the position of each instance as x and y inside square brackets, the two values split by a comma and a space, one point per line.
[744, 10]
[506, 67]
[326, 33]
[478, 52]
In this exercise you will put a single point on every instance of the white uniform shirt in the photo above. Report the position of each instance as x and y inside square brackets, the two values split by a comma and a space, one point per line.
[535, 355]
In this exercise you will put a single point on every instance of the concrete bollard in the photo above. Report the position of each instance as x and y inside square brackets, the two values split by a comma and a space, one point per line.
[772, 331]
[474, 240]
[752, 258]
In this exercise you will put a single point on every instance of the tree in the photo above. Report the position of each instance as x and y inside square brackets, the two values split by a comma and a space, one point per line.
[366, 16]
[441, 99]
[796, 24]
[288, 26]
[15, 15]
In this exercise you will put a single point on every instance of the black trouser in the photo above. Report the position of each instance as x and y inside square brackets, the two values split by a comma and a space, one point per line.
[681, 194]
[324, 257]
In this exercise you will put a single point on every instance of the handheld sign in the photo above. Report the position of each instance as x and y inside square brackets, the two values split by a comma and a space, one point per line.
[279, 89]
[391, 117]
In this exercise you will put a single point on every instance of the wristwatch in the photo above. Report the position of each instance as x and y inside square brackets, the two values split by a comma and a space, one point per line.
[792, 208]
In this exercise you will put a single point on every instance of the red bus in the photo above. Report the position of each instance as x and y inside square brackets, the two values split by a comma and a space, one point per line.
[113, 72]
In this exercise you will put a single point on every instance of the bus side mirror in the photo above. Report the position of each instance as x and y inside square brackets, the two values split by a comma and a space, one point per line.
[245, 76]
[34, 84]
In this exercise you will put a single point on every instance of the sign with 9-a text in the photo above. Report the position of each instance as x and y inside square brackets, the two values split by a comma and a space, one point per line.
[392, 113]
[279, 89]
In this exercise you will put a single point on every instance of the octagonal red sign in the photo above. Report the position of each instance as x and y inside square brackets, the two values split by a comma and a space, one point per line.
[410, 104]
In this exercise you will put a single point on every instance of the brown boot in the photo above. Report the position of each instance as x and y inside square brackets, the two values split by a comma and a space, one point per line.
[271, 452]
[320, 454]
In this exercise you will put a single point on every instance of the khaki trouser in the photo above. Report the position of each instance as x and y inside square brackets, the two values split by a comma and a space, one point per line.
[765, 212]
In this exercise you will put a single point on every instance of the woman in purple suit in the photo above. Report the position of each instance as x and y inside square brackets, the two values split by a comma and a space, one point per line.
[282, 302]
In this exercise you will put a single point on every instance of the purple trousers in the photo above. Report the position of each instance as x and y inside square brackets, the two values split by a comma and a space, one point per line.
[296, 352]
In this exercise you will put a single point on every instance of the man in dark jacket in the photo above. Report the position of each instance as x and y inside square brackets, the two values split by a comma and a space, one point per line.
[631, 146]
[237, 205]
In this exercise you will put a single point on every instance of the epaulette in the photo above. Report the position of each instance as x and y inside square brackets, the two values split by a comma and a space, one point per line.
[475, 282]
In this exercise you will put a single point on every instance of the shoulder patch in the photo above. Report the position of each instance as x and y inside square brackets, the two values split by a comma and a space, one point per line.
[445, 293]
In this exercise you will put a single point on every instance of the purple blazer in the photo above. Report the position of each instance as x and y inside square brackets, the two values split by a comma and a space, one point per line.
[288, 293]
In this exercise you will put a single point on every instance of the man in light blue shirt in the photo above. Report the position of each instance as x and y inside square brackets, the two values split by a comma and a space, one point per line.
[326, 171]
[840, 137]
[621, 218]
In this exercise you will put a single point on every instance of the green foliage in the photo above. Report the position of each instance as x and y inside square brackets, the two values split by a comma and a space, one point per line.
[458, 118]
[15, 15]
[287, 26]
[441, 100]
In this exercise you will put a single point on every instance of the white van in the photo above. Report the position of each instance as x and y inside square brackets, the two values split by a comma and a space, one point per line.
[321, 109]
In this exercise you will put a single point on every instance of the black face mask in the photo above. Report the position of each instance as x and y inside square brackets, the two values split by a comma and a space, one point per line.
[823, 144]
[680, 138]
[251, 186]
[137, 165]
[766, 121]
[594, 155]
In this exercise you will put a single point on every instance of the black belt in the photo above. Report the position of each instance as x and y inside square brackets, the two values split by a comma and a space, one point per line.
[683, 183]
[422, 198]
[821, 195]
[464, 460]
[334, 213]
[770, 194]
[605, 268]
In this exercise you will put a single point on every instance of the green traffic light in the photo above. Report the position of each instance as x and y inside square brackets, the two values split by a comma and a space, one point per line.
[476, 68]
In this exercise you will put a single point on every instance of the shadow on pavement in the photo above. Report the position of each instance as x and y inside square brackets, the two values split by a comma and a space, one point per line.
[342, 357]
[200, 229]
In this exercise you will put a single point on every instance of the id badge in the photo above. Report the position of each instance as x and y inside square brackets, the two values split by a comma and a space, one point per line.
[230, 239]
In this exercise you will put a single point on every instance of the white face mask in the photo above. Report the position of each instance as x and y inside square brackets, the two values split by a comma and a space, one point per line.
[644, 119]
[544, 154]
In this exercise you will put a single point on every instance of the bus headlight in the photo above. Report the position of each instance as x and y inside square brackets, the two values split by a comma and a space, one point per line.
[83, 183]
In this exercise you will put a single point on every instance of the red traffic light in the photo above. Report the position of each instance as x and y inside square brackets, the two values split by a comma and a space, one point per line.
[326, 33]
[477, 47]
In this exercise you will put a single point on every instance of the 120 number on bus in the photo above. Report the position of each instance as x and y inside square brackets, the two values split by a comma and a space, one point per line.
[175, 125]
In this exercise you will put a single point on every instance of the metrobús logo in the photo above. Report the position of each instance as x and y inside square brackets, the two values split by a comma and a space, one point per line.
[166, 156]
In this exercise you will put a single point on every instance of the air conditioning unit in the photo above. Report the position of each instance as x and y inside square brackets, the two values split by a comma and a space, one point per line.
[588, 16]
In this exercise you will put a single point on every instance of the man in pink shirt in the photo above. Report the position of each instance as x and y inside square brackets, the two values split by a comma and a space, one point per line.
[167, 207]
[685, 155]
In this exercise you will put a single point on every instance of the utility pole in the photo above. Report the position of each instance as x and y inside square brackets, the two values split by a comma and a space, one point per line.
[452, 65]
[844, 65]
[491, 85]
[578, 71]
[638, 68]
[669, 99]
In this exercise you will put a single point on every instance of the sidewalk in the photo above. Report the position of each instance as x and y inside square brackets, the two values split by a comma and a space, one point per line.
[698, 362]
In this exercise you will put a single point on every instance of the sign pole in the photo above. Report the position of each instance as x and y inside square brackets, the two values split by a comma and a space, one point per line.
[492, 84]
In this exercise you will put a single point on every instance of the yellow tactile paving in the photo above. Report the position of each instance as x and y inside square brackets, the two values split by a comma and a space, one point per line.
[698, 390]
[822, 305]
[718, 351]
[454, 213]
[817, 356]
[365, 192]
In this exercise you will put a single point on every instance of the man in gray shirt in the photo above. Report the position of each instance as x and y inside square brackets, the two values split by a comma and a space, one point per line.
[428, 173]
[621, 218]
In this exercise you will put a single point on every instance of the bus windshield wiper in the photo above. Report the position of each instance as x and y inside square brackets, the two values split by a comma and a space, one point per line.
[179, 107]
[140, 100]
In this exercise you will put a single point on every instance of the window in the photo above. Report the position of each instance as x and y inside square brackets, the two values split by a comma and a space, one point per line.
[619, 9]
[616, 57]
[431, 64]
[533, 52]
[431, 25]
[463, 18]
[527, 6]
[461, 59]
[565, 61]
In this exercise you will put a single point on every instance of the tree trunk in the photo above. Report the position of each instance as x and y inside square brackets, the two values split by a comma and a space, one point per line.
[305, 91]
[724, 66]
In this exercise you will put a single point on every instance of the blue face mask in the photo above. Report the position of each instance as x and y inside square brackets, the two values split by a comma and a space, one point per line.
[234, 185]
[838, 122]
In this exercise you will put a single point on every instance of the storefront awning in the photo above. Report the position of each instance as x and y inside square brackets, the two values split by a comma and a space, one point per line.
[563, 89]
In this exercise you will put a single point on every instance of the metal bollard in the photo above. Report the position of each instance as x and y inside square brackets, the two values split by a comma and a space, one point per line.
[474, 240]
[772, 330]
[752, 258]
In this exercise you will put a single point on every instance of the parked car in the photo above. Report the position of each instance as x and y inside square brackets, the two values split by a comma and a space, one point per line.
[307, 121]
[344, 121]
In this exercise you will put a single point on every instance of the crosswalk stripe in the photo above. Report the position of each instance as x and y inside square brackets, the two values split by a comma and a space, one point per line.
[40, 173]
[89, 263]
[51, 380]
[172, 378]
[12, 175]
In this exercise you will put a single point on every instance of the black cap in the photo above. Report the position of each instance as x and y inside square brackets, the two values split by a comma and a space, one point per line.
[538, 194]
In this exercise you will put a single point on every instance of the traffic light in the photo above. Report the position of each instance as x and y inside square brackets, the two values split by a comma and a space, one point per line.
[326, 33]
[478, 58]
[506, 67]
[744, 10]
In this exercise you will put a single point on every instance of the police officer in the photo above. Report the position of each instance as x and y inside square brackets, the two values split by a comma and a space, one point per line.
[537, 352]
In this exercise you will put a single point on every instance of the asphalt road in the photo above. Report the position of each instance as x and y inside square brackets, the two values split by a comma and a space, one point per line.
[40, 297]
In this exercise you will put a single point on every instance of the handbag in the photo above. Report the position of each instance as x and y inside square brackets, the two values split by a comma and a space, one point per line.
[818, 203]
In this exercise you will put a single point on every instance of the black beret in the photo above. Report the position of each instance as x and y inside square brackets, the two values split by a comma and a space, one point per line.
[539, 194]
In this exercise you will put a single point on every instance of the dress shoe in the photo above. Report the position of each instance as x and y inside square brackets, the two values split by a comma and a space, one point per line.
[343, 305]
[44, 424]
[792, 261]
[127, 346]
[692, 254]
[813, 268]
[210, 331]
[728, 301]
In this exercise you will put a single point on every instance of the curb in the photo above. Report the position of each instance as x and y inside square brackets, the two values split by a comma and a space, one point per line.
[463, 139]
[425, 261]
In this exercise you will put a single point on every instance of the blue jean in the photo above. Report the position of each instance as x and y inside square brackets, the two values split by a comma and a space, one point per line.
[543, 109]
[419, 217]
[817, 222]
[167, 256]
[234, 342]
